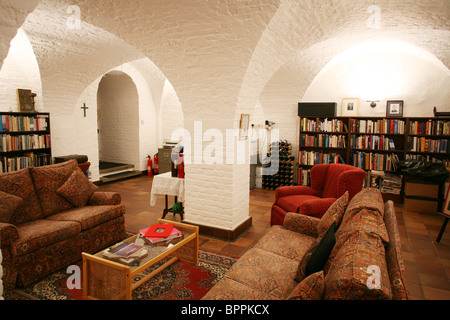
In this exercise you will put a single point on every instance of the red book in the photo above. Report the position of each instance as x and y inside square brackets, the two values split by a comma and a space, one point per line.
[159, 230]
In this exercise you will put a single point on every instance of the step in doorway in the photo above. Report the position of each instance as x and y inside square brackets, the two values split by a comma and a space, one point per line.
[112, 171]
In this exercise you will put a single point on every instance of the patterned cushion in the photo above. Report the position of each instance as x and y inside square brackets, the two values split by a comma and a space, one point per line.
[47, 180]
[77, 189]
[8, 204]
[311, 288]
[350, 271]
[394, 256]
[20, 184]
[233, 290]
[266, 272]
[365, 220]
[334, 214]
[369, 198]
[301, 272]
[301, 224]
[41, 233]
[89, 216]
[289, 244]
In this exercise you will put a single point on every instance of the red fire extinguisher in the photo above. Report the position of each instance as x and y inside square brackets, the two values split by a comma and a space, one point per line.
[149, 166]
[156, 164]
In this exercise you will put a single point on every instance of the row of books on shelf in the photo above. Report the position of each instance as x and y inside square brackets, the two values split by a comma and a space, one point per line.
[132, 253]
[385, 126]
[311, 158]
[10, 143]
[375, 161]
[323, 125]
[323, 140]
[304, 177]
[372, 142]
[430, 127]
[11, 164]
[10, 123]
[422, 144]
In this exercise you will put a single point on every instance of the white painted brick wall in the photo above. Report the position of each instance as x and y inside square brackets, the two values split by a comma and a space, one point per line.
[118, 110]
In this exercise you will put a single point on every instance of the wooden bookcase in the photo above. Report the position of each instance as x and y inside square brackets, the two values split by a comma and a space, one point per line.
[371, 143]
[25, 140]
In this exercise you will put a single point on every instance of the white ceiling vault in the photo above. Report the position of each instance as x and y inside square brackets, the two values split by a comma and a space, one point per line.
[221, 56]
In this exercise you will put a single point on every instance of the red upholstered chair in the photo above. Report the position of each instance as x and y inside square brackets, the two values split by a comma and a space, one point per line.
[328, 183]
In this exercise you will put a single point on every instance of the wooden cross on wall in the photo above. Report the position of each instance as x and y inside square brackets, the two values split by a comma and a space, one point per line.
[84, 108]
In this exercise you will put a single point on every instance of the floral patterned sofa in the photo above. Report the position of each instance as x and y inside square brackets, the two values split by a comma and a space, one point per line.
[352, 252]
[49, 216]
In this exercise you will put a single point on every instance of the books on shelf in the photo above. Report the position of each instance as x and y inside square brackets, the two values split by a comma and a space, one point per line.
[311, 158]
[20, 123]
[375, 161]
[380, 126]
[10, 143]
[149, 233]
[430, 127]
[372, 142]
[422, 144]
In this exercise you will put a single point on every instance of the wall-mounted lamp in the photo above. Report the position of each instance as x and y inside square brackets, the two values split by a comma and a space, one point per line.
[373, 104]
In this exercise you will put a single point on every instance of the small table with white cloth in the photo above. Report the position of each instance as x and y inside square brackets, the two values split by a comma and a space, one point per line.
[165, 184]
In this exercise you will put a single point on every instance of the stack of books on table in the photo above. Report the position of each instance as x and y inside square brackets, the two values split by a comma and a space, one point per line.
[160, 232]
[126, 253]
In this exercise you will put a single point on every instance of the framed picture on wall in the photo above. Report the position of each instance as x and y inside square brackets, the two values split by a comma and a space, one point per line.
[350, 107]
[25, 100]
[243, 128]
[394, 108]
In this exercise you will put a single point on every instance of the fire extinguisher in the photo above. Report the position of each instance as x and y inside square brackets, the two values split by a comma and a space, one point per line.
[149, 166]
[156, 164]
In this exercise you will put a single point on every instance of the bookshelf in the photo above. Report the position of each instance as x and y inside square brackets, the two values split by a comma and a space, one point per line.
[25, 140]
[371, 143]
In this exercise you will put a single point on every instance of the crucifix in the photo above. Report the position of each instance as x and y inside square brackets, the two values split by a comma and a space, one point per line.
[84, 108]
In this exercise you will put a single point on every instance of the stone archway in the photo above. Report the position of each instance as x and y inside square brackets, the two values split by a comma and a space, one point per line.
[118, 126]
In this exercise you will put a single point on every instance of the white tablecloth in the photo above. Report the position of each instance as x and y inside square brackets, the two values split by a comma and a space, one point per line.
[164, 184]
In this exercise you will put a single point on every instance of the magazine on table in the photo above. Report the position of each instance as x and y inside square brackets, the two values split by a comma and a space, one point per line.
[174, 233]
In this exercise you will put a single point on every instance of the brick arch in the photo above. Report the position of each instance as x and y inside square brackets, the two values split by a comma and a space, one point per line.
[312, 34]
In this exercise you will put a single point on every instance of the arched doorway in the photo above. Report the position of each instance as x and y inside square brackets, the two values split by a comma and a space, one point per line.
[118, 127]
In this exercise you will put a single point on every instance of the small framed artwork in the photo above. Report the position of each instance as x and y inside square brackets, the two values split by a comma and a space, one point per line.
[243, 128]
[25, 99]
[350, 107]
[394, 108]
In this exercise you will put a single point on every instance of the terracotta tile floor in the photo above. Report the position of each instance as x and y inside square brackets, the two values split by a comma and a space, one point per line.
[427, 263]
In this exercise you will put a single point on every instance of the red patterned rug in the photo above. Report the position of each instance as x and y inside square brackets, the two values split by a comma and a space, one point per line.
[180, 281]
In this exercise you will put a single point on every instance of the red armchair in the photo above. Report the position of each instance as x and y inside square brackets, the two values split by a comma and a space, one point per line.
[328, 183]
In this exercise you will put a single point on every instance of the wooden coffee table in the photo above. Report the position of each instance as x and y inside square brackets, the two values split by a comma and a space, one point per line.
[105, 279]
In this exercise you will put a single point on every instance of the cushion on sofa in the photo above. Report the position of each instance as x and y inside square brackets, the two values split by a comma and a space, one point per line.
[311, 288]
[334, 214]
[286, 243]
[316, 255]
[300, 223]
[41, 233]
[230, 289]
[47, 180]
[320, 254]
[351, 270]
[8, 204]
[369, 198]
[20, 184]
[89, 216]
[366, 220]
[77, 189]
[266, 272]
